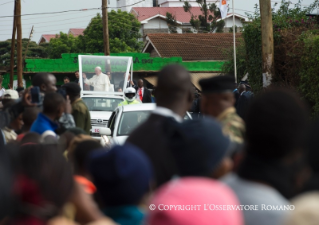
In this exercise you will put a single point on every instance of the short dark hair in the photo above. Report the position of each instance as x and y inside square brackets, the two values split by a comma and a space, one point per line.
[29, 115]
[276, 124]
[66, 78]
[76, 71]
[40, 78]
[81, 154]
[51, 102]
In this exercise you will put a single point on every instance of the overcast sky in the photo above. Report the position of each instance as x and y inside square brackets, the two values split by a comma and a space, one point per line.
[54, 23]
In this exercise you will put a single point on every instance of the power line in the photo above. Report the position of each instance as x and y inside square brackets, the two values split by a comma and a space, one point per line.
[7, 2]
[72, 10]
[51, 21]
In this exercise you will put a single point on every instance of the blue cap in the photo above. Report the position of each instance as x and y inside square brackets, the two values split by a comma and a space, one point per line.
[199, 146]
[122, 175]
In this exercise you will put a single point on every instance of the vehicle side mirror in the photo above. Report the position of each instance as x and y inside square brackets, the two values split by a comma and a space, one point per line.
[105, 131]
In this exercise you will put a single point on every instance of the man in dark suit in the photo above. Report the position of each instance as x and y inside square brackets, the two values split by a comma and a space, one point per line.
[129, 83]
[174, 97]
[143, 94]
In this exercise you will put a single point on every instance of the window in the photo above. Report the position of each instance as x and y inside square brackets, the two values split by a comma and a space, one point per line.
[130, 120]
[102, 104]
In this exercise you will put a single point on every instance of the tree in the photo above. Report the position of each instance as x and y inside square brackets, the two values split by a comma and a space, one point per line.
[63, 43]
[34, 51]
[123, 31]
[171, 23]
[207, 22]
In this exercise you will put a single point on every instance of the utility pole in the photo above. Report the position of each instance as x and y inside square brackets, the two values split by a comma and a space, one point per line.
[13, 40]
[19, 43]
[234, 39]
[26, 50]
[105, 28]
[267, 42]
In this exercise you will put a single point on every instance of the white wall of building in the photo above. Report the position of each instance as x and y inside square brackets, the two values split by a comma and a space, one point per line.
[156, 23]
[126, 5]
[229, 22]
[176, 3]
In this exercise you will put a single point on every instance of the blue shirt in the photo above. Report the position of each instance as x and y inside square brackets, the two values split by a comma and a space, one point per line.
[42, 124]
[125, 215]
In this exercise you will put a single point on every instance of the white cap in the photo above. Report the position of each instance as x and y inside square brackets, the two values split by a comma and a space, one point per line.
[13, 94]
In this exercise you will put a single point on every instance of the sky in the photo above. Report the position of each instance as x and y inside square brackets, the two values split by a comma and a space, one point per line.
[54, 23]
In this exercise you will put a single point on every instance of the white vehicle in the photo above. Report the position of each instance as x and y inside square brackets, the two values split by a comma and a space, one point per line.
[124, 120]
[100, 78]
[101, 108]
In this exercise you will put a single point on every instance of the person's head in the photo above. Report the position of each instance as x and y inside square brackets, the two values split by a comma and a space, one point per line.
[29, 115]
[9, 96]
[66, 80]
[44, 180]
[17, 123]
[241, 88]
[129, 76]
[98, 70]
[45, 81]
[80, 156]
[122, 175]
[191, 143]
[20, 91]
[119, 89]
[174, 89]
[77, 74]
[53, 105]
[73, 90]
[130, 94]
[248, 87]
[195, 201]
[276, 125]
[140, 83]
[217, 95]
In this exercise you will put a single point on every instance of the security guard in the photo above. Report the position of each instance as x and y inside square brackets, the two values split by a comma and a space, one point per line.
[130, 97]
[218, 101]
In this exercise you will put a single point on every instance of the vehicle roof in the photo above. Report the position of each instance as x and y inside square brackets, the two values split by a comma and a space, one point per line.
[102, 96]
[139, 107]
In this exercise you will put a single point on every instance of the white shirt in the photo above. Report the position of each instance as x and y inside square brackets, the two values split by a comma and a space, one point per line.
[167, 113]
[2, 91]
[99, 82]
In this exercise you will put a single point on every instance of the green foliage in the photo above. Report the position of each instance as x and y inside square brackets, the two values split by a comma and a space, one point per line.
[123, 33]
[34, 51]
[123, 36]
[289, 21]
[231, 29]
[63, 43]
[171, 22]
[207, 22]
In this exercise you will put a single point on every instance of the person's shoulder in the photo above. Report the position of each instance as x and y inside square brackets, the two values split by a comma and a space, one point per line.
[80, 106]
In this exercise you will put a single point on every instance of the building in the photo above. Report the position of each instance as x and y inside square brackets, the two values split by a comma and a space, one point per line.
[191, 47]
[45, 38]
[76, 31]
[153, 19]
[126, 5]
[178, 3]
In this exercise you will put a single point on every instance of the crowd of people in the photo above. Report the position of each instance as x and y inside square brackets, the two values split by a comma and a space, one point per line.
[259, 167]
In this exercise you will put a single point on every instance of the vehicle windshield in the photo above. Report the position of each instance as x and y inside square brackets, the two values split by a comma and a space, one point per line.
[130, 120]
[101, 103]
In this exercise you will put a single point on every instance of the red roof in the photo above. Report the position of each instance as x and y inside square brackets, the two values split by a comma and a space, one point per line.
[179, 13]
[76, 31]
[48, 37]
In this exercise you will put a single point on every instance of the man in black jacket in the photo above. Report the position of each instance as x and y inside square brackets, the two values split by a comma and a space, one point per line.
[143, 94]
[174, 97]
